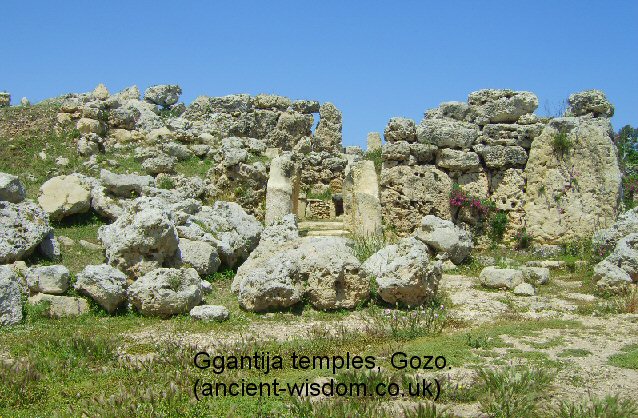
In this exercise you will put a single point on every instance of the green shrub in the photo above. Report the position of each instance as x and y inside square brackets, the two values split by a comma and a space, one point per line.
[561, 143]
[166, 183]
[498, 225]
[376, 157]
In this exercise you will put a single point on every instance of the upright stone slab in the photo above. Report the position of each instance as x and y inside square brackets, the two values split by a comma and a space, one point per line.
[362, 206]
[573, 180]
[282, 189]
[374, 142]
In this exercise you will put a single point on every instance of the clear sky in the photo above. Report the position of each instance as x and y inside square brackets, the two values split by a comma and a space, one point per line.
[373, 60]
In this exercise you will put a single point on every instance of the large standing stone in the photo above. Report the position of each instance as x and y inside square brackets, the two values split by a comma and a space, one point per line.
[104, 284]
[10, 297]
[361, 204]
[374, 142]
[63, 196]
[404, 272]
[142, 238]
[323, 269]
[575, 191]
[165, 292]
[22, 227]
[445, 237]
[11, 188]
[328, 132]
[53, 280]
[282, 190]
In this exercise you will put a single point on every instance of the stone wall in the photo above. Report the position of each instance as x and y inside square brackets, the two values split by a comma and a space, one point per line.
[484, 145]
[239, 133]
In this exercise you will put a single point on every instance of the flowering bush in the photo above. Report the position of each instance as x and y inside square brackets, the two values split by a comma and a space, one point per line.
[459, 198]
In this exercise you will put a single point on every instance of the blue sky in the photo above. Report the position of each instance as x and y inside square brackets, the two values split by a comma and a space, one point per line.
[373, 60]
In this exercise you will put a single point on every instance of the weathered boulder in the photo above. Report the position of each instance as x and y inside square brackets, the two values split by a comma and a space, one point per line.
[322, 269]
[210, 313]
[282, 189]
[400, 129]
[610, 277]
[524, 289]
[11, 188]
[164, 95]
[456, 160]
[161, 163]
[627, 223]
[142, 239]
[10, 297]
[536, 275]
[60, 306]
[49, 248]
[100, 92]
[497, 106]
[445, 237]
[498, 278]
[53, 280]
[625, 255]
[361, 203]
[306, 106]
[573, 180]
[125, 185]
[445, 133]
[404, 272]
[501, 157]
[459, 111]
[63, 196]
[104, 284]
[590, 102]
[271, 101]
[235, 232]
[199, 255]
[22, 227]
[165, 292]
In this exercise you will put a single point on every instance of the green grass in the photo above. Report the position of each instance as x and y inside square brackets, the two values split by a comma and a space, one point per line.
[574, 352]
[80, 227]
[608, 407]
[376, 157]
[194, 167]
[627, 358]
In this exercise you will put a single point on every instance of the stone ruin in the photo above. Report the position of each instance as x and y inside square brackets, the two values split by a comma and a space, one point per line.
[494, 147]
[239, 133]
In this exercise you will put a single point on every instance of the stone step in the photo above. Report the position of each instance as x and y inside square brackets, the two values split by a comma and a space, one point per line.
[320, 225]
[328, 233]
